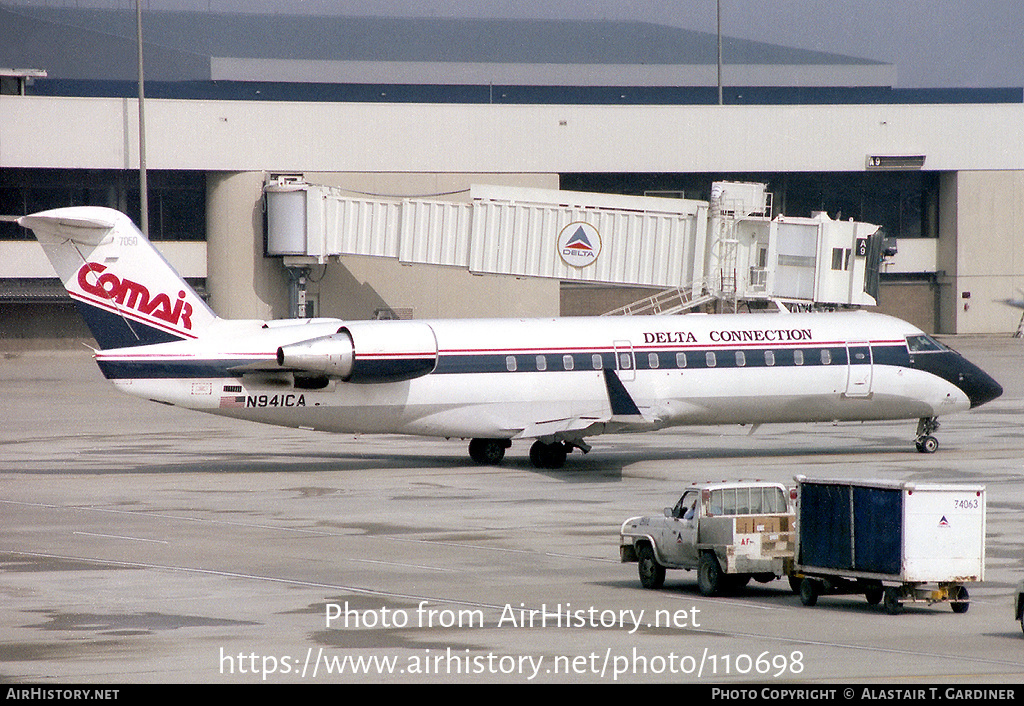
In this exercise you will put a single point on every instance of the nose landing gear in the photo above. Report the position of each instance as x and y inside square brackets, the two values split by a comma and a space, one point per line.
[925, 442]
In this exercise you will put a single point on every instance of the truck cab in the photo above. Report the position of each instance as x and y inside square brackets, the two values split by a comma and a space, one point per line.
[728, 532]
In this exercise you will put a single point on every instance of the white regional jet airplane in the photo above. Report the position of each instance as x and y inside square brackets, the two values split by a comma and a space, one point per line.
[556, 381]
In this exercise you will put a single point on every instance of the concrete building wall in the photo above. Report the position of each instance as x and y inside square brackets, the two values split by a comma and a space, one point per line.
[428, 149]
[242, 283]
[236, 136]
[981, 251]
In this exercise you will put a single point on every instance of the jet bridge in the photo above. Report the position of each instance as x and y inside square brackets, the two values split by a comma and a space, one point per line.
[731, 248]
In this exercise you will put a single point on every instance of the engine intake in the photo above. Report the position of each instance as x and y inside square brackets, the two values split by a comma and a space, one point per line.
[366, 352]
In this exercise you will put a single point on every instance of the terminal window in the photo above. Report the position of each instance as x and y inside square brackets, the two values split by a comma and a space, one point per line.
[177, 200]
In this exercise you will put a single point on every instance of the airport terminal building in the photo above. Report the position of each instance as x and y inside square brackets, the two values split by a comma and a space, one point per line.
[400, 109]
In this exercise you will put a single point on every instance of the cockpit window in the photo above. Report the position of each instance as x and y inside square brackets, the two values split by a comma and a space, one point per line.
[924, 344]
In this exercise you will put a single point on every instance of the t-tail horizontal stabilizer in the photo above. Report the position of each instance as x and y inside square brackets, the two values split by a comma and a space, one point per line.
[127, 292]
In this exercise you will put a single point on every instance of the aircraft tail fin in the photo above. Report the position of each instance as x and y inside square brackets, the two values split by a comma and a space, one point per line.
[127, 292]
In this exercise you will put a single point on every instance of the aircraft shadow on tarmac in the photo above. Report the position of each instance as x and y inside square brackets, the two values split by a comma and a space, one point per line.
[606, 463]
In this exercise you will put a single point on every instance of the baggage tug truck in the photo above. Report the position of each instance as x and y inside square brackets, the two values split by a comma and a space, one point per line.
[729, 532]
[894, 542]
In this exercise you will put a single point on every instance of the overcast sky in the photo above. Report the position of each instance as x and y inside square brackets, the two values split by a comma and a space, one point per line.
[933, 43]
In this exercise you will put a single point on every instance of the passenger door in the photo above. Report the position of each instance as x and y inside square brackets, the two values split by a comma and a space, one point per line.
[860, 369]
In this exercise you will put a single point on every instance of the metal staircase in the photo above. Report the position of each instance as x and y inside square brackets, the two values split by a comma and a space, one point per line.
[670, 301]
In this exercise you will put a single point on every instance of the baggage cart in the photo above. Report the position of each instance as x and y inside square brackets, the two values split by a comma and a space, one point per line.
[893, 542]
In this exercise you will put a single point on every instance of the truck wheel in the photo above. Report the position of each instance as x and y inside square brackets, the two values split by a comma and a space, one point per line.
[962, 602]
[652, 574]
[709, 575]
[809, 592]
[891, 600]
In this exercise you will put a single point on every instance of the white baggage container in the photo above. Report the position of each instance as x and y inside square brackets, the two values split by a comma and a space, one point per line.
[889, 540]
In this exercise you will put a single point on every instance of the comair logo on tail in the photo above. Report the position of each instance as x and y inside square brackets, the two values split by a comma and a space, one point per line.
[95, 280]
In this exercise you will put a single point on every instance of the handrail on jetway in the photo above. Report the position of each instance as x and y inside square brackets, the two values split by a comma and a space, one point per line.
[670, 301]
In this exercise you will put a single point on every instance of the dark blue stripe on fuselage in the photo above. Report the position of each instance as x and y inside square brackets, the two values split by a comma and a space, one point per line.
[690, 359]
[156, 369]
[449, 364]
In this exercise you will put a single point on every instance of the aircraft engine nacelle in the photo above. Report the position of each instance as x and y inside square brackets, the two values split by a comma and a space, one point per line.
[367, 352]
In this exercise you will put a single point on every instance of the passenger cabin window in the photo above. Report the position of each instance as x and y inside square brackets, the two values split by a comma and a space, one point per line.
[741, 359]
[798, 357]
[709, 359]
[510, 363]
[542, 363]
[769, 358]
[595, 361]
[680, 360]
[567, 362]
[826, 356]
[652, 360]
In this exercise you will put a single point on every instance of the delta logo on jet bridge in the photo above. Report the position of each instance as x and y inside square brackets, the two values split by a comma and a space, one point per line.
[579, 244]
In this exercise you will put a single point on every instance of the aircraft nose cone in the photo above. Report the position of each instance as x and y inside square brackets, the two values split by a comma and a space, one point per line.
[980, 387]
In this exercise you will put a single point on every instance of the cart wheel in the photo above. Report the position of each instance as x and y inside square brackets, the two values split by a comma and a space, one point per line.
[874, 594]
[962, 601]
[794, 583]
[891, 599]
[809, 592]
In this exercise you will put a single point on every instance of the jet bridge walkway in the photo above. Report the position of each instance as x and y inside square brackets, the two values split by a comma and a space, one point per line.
[730, 248]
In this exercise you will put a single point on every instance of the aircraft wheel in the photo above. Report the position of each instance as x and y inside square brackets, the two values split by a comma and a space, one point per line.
[488, 452]
[928, 445]
[548, 455]
[652, 574]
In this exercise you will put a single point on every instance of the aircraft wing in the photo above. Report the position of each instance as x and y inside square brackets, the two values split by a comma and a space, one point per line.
[570, 426]
[622, 414]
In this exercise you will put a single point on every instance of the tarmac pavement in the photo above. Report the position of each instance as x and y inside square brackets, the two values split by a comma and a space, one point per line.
[148, 544]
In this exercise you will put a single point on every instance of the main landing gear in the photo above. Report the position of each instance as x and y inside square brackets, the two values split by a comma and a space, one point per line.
[549, 455]
[488, 452]
[925, 442]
